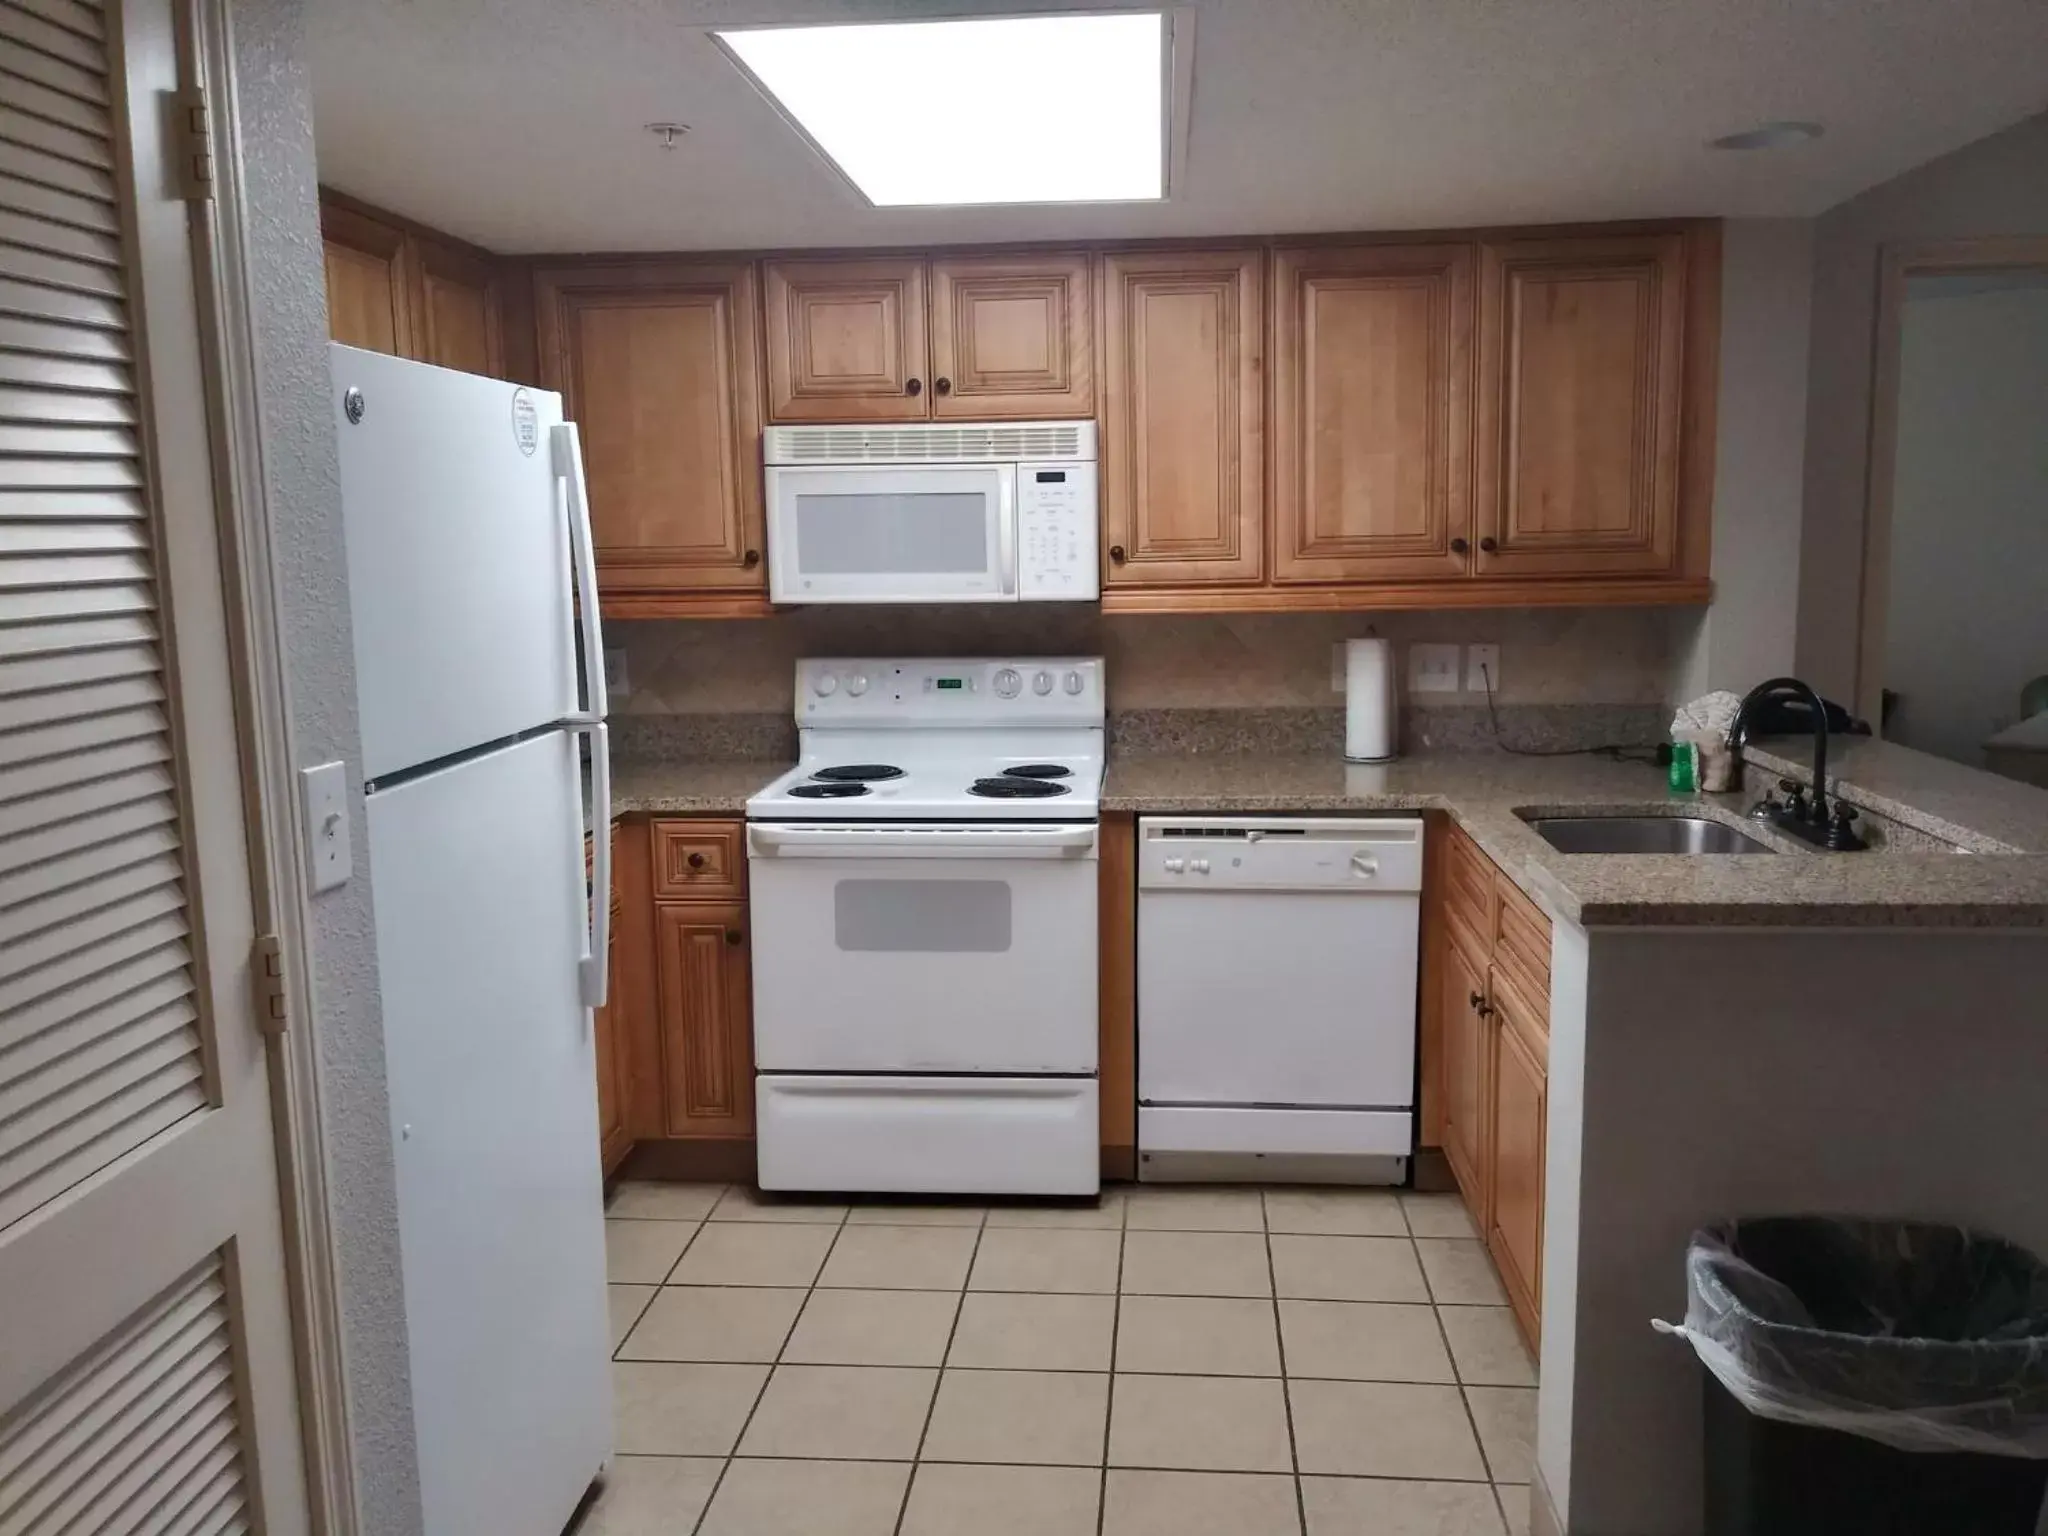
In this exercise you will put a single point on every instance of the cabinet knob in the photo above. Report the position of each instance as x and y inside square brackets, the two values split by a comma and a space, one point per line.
[751, 558]
[912, 387]
[1116, 553]
[696, 861]
[942, 386]
[1459, 546]
[732, 936]
[1475, 1001]
[1489, 544]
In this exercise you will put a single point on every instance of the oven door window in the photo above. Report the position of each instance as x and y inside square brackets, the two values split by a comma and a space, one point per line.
[947, 917]
[880, 534]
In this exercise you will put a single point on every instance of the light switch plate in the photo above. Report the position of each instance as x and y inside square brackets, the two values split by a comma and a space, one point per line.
[1432, 669]
[1482, 662]
[615, 670]
[323, 792]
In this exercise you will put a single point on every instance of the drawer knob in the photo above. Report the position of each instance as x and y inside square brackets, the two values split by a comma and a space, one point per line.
[696, 861]
[1475, 1001]
[732, 935]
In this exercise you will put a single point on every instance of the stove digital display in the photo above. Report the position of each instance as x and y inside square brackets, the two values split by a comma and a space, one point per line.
[949, 683]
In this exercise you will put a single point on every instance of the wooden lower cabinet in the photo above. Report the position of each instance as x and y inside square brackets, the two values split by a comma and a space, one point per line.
[1520, 1118]
[614, 1138]
[1486, 1036]
[707, 1022]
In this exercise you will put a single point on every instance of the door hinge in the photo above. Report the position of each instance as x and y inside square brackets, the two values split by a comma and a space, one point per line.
[268, 971]
[191, 144]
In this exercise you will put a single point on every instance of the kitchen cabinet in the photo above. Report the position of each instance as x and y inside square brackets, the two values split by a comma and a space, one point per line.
[393, 286]
[702, 971]
[1486, 1038]
[1514, 1225]
[973, 337]
[658, 365]
[1183, 417]
[1372, 412]
[614, 1089]
[1581, 369]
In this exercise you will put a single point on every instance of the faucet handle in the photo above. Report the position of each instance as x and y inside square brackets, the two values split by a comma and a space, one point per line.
[1795, 796]
[1841, 836]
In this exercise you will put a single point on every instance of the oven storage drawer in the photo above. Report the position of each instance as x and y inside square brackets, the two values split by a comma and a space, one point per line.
[929, 1135]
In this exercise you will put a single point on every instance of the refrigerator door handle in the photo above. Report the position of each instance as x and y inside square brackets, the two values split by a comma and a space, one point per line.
[568, 451]
[593, 969]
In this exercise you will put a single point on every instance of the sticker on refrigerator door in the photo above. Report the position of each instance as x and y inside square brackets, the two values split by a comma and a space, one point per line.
[525, 422]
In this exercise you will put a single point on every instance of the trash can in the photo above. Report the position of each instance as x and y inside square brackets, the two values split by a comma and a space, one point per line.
[1880, 1378]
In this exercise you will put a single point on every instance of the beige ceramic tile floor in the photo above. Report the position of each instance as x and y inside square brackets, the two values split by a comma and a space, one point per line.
[1162, 1362]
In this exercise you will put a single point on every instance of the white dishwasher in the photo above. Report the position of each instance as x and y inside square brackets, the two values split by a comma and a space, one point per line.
[1277, 965]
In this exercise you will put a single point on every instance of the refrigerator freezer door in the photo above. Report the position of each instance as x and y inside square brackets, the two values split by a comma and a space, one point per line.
[478, 872]
[458, 558]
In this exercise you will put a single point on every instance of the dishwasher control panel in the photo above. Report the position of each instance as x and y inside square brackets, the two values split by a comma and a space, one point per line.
[1280, 853]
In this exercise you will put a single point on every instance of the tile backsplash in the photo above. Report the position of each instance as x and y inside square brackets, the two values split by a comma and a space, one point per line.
[1237, 661]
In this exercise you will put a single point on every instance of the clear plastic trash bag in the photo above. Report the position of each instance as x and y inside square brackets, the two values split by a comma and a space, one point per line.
[1919, 1336]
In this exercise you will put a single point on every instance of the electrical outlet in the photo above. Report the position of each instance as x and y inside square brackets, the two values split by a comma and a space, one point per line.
[615, 670]
[1482, 669]
[1432, 669]
[1338, 667]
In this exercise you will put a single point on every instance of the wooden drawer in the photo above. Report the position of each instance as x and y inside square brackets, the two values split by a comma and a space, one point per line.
[1469, 904]
[1521, 945]
[699, 860]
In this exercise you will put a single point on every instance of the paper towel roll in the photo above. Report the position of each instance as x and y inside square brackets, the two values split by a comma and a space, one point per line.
[1369, 700]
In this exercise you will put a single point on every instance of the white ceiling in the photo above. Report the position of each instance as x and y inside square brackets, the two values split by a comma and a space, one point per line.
[518, 124]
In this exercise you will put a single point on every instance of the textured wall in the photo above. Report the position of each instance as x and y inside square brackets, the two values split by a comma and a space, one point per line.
[302, 486]
[1548, 656]
[1997, 186]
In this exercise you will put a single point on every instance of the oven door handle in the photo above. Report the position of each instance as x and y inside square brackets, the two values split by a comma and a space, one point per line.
[767, 840]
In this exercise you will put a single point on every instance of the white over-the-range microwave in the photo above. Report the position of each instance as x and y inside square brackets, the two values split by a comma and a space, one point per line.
[932, 513]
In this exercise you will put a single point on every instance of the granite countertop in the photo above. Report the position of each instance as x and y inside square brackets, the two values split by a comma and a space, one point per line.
[709, 788]
[1795, 887]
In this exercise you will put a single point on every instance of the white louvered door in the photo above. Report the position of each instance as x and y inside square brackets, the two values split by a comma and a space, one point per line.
[146, 1378]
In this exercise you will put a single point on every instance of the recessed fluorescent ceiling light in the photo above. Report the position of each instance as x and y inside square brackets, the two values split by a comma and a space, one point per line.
[1039, 109]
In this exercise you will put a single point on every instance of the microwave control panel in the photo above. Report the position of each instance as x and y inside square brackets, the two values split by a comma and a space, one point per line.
[1057, 546]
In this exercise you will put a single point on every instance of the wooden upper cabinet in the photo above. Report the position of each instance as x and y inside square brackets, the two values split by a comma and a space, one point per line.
[1012, 336]
[1372, 412]
[369, 281]
[1581, 347]
[701, 972]
[1183, 461]
[846, 340]
[659, 368]
[461, 324]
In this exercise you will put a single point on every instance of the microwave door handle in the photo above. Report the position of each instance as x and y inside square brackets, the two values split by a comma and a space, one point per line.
[1006, 527]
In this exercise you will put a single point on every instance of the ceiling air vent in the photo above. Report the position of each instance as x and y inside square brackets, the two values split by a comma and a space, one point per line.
[932, 443]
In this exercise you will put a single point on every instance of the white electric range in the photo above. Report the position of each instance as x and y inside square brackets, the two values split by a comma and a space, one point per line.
[923, 903]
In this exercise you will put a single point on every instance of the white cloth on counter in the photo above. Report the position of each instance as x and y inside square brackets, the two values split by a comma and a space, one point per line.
[1709, 714]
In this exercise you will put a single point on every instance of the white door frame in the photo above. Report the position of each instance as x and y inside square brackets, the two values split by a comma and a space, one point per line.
[1898, 265]
[279, 863]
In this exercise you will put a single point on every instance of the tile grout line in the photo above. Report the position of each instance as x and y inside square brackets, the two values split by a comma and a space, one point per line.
[1116, 1317]
[1280, 1349]
[939, 1376]
[1457, 1372]
[774, 1365]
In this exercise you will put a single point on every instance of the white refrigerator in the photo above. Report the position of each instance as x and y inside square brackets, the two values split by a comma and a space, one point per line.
[480, 686]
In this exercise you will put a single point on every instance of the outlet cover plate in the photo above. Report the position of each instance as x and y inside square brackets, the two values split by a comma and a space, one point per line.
[1482, 662]
[1432, 668]
[615, 679]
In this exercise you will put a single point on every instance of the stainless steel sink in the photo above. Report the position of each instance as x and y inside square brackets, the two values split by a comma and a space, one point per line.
[1643, 834]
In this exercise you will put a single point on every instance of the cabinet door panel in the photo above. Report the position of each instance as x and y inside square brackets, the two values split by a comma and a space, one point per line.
[460, 322]
[1372, 412]
[1183, 417]
[614, 1140]
[706, 1019]
[846, 341]
[1012, 336]
[369, 282]
[1514, 1232]
[1581, 370]
[659, 370]
[1464, 1032]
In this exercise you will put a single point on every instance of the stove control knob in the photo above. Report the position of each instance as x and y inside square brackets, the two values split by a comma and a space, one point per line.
[825, 685]
[1042, 684]
[1008, 683]
[1075, 682]
[1175, 866]
[857, 684]
[1201, 866]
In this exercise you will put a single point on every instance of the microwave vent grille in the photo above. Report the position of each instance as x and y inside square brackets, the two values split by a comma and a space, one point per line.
[1022, 441]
